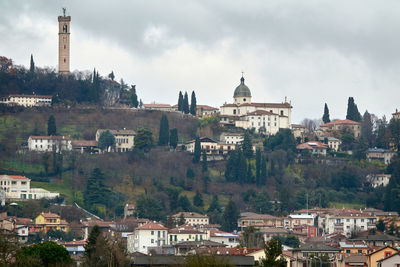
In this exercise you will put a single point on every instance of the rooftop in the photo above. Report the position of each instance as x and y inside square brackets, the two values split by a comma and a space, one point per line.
[152, 226]
[14, 177]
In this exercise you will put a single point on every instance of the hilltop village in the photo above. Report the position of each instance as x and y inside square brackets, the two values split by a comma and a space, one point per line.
[89, 171]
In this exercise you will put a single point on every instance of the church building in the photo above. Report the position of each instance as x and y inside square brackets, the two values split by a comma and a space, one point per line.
[265, 118]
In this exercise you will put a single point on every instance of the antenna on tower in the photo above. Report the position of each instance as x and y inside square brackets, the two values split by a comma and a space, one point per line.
[64, 10]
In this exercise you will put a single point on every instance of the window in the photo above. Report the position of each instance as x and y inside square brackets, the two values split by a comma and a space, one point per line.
[65, 60]
[152, 232]
[281, 112]
[152, 241]
[13, 182]
[347, 250]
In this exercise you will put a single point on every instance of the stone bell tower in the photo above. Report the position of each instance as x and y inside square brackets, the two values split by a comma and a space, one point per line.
[63, 43]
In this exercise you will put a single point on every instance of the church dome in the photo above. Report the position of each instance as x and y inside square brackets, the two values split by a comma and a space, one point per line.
[242, 90]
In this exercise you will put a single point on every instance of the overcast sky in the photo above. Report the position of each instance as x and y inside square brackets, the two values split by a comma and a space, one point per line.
[312, 52]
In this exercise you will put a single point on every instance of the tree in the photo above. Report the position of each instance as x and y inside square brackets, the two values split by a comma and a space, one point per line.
[247, 145]
[252, 238]
[184, 203]
[173, 138]
[144, 139]
[163, 137]
[204, 164]
[214, 206]
[150, 208]
[8, 247]
[197, 151]
[185, 106]
[96, 191]
[180, 102]
[50, 254]
[32, 65]
[106, 141]
[325, 117]
[204, 260]
[51, 126]
[380, 226]
[258, 166]
[198, 199]
[352, 111]
[273, 251]
[111, 75]
[367, 129]
[193, 104]
[181, 219]
[394, 128]
[360, 149]
[289, 240]
[134, 98]
[230, 217]
[263, 174]
[90, 247]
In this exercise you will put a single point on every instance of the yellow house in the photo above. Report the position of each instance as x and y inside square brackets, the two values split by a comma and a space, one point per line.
[379, 254]
[51, 221]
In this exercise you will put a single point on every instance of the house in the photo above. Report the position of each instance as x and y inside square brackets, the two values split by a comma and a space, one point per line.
[49, 143]
[260, 220]
[232, 138]
[314, 249]
[84, 146]
[294, 220]
[205, 111]
[210, 146]
[314, 147]
[50, 221]
[18, 187]
[351, 260]
[374, 258]
[27, 100]
[192, 218]
[185, 232]
[378, 240]
[229, 239]
[339, 126]
[270, 232]
[160, 107]
[392, 260]
[299, 131]
[242, 105]
[334, 143]
[380, 154]
[188, 247]
[348, 222]
[105, 226]
[396, 115]
[376, 180]
[147, 236]
[76, 247]
[129, 210]
[356, 247]
[124, 139]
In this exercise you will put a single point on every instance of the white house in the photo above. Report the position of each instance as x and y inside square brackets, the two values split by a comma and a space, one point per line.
[27, 100]
[18, 187]
[232, 138]
[192, 218]
[185, 232]
[124, 139]
[146, 236]
[346, 222]
[49, 143]
[375, 180]
[229, 239]
[261, 121]
[294, 220]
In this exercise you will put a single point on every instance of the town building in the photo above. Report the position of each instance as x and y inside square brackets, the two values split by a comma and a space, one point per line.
[339, 126]
[260, 220]
[294, 220]
[124, 139]
[160, 107]
[49, 143]
[27, 100]
[210, 146]
[185, 232]
[375, 258]
[230, 239]
[50, 221]
[232, 138]
[206, 111]
[129, 210]
[378, 240]
[18, 187]
[390, 261]
[334, 143]
[192, 218]
[299, 131]
[147, 236]
[396, 115]
[348, 222]
[314, 249]
[354, 247]
[267, 118]
[376, 180]
[314, 148]
[380, 154]
[64, 43]
[89, 146]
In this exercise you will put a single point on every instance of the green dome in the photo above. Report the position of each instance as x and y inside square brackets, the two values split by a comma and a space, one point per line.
[242, 90]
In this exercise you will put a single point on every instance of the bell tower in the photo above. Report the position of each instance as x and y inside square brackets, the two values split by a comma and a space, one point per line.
[63, 43]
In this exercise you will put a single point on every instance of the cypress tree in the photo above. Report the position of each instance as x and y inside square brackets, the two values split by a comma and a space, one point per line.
[214, 206]
[90, 247]
[173, 138]
[198, 199]
[164, 131]
[32, 65]
[325, 117]
[241, 167]
[193, 104]
[249, 175]
[185, 103]
[197, 151]
[180, 101]
[258, 166]
[134, 98]
[204, 164]
[367, 129]
[51, 126]
[263, 174]
[352, 111]
[230, 217]
[247, 145]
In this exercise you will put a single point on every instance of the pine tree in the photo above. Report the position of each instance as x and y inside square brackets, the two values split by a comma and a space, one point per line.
[140, 103]
[273, 252]
[230, 217]
[204, 164]
[163, 137]
[258, 166]
[32, 65]
[184, 203]
[197, 151]
[193, 104]
[51, 126]
[185, 103]
[249, 175]
[214, 206]
[111, 76]
[90, 246]
[173, 138]
[367, 129]
[134, 98]
[352, 111]
[325, 117]
[198, 199]
[247, 145]
[180, 102]
[96, 191]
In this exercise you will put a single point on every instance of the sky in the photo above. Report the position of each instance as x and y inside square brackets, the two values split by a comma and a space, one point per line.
[312, 52]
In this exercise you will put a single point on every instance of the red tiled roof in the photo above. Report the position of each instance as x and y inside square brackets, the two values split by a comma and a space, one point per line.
[228, 251]
[17, 177]
[152, 226]
[261, 112]
[218, 233]
[84, 143]
[74, 243]
[339, 122]
[50, 215]
[53, 137]
[187, 214]
[23, 221]
[32, 96]
[270, 105]
[311, 145]
[259, 217]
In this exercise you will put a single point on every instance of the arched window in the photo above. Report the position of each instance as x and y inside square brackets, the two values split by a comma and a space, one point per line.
[65, 28]
[65, 60]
